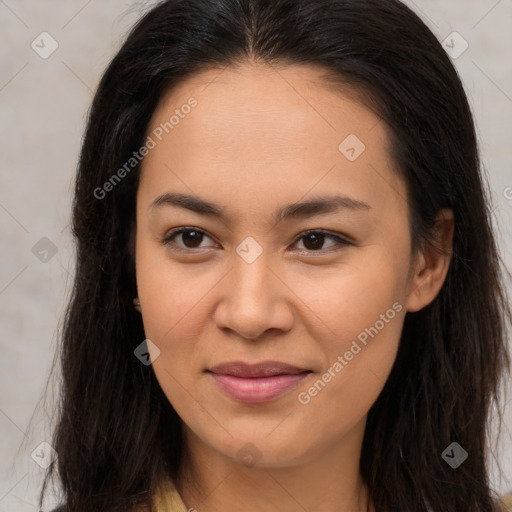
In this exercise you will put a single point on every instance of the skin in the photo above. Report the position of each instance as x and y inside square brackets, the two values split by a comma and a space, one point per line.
[259, 138]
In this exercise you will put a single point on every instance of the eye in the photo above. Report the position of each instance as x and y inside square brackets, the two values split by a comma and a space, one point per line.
[191, 238]
[314, 240]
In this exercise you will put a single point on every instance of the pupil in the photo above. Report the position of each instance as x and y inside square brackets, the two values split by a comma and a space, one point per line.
[317, 240]
[194, 237]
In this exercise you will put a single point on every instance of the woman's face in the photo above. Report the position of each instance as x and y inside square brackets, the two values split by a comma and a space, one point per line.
[246, 284]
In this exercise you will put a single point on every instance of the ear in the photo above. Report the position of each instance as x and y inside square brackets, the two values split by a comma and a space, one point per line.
[432, 263]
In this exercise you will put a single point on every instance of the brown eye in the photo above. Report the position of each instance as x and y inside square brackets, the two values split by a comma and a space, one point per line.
[191, 238]
[315, 239]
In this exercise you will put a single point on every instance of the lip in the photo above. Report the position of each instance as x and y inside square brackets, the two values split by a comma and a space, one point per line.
[262, 369]
[257, 383]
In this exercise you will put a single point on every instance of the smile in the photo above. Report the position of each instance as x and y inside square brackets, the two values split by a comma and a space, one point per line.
[258, 382]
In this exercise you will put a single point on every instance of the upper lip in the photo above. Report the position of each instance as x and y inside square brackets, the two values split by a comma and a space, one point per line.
[262, 369]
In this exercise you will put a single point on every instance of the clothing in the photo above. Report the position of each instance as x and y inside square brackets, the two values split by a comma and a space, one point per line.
[167, 499]
[506, 502]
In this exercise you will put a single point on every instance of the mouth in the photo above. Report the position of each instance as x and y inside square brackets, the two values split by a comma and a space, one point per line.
[257, 383]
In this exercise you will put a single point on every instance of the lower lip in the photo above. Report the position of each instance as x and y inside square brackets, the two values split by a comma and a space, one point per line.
[257, 389]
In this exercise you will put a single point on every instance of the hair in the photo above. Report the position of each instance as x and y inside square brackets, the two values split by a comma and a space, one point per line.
[116, 434]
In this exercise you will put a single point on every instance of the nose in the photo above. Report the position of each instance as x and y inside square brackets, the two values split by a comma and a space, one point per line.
[254, 300]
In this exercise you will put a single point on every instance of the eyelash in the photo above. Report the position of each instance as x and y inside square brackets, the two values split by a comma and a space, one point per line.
[341, 242]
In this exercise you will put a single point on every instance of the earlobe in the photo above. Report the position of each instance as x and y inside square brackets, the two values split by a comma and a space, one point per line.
[432, 264]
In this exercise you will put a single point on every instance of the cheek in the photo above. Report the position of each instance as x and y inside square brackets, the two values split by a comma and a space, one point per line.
[351, 297]
[362, 312]
[170, 294]
[173, 313]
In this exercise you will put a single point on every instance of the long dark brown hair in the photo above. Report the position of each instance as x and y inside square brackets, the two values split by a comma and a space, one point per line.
[116, 433]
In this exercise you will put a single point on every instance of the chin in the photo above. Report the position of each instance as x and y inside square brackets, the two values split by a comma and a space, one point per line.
[265, 452]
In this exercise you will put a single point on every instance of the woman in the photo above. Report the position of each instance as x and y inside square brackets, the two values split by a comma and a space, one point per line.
[288, 292]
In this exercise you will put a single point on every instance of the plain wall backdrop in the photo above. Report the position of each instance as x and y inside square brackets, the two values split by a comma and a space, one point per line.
[45, 93]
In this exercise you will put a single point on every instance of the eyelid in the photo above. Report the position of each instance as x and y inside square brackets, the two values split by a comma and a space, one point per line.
[341, 240]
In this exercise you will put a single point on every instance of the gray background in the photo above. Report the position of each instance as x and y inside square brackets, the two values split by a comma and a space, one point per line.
[43, 108]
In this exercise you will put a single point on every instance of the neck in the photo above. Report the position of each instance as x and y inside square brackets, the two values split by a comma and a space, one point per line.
[325, 482]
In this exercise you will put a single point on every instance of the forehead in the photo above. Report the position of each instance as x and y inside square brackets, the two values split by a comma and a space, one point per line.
[285, 99]
[260, 128]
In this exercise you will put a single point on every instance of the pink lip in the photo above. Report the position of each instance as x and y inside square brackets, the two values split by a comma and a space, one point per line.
[257, 383]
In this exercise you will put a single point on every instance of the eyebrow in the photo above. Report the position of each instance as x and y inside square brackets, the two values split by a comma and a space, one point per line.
[316, 206]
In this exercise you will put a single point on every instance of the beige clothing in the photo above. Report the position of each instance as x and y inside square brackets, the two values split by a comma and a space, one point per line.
[167, 499]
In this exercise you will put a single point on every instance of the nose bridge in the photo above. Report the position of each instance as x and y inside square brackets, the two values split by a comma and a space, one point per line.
[251, 304]
[252, 276]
